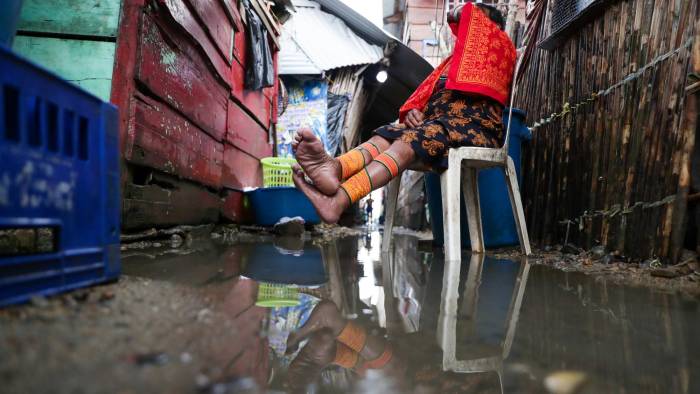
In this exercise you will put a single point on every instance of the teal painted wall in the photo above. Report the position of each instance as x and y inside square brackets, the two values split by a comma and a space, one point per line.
[74, 38]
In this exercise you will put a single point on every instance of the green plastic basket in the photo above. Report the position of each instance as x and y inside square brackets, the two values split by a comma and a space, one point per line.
[273, 295]
[277, 171]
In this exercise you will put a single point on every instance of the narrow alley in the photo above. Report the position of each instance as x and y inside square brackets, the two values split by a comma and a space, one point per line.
[349, 196]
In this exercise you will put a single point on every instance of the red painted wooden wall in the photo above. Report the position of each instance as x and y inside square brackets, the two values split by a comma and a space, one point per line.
[179, 83]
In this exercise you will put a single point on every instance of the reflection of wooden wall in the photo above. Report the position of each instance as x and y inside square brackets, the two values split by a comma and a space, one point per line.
[626, 339]
[629, 148]
[191, 133]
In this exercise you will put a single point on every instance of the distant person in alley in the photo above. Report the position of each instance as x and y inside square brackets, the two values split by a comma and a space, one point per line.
[459, 104]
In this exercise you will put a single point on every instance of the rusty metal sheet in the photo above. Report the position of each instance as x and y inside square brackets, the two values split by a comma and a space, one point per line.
[246, 134]
[174, 70]
[166, 141]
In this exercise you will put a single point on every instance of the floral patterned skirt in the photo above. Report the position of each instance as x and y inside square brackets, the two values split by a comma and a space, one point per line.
[452, 120]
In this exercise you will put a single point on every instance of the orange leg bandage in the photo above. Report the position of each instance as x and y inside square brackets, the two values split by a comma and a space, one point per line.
[370, 148]
[381, 361]
[353, 336]
[358, 186]
[345, 357]
[390, 163]
[351, 163]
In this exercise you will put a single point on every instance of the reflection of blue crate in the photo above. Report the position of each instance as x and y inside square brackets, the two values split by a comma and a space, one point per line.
[59, 172]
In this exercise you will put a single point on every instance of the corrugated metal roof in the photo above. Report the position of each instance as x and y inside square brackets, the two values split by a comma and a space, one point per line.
[293, 60]
[366, 29]
[315, 41]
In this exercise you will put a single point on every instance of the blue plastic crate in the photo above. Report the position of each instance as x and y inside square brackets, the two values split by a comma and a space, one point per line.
[270, 204]
[59, 171]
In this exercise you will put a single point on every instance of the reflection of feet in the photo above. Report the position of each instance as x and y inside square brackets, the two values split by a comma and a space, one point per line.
[325, 316]
[322, 169]
[306, 367]
[328, 208]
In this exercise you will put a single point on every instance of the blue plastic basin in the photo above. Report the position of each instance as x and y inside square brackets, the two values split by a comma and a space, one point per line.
[271, 204]
[496, 214]
[266, 263]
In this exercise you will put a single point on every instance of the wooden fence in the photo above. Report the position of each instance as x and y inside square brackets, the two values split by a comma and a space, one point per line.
[613, 131]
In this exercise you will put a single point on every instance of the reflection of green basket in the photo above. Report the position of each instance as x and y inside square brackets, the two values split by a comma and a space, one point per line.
[277, 171]
[272, 295]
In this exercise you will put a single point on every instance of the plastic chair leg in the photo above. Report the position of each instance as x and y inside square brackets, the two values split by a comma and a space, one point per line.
[449, 183]
[517, 205]
[392, 197]
[470, 189]
[470, 297]
[515, 305]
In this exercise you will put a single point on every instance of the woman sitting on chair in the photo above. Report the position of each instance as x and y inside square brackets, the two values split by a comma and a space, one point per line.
[459, 104]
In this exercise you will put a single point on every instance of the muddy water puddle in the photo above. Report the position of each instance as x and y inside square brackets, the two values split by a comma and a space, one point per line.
[425, 325]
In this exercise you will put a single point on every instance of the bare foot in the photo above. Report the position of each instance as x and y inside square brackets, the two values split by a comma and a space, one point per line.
[322, 169]
[328, 208]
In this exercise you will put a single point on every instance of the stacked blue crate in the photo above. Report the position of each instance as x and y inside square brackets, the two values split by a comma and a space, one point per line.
[59, 172]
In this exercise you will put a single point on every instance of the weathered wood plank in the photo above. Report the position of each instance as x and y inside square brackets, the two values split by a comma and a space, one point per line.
[255, 101]
[217, 22]
[218, 59]
[624, 149]
[166, 141]
[246, 134]
[173, 69]
[241, 170]
[153, 205]
[88, 64]
[123, 83]
[233, 207]
[80, 17]
[240, 43]
[271, 92]
[274, 94]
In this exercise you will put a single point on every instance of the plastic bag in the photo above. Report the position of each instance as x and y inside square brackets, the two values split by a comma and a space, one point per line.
[260, 72]
[337, 109]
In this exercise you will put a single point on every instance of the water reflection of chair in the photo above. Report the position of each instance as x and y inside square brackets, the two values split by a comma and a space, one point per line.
[447, 322]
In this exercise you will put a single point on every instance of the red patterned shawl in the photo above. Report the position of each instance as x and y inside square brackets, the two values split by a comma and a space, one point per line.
[484, 60]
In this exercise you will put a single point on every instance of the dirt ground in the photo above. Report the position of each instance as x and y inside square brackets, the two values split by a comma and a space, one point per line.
[151, 337]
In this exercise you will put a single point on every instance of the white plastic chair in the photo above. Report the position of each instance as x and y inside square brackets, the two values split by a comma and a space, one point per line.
[465, 163]
[447, 321]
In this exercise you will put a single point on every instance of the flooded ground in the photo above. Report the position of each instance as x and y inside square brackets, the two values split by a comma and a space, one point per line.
[190, 323]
